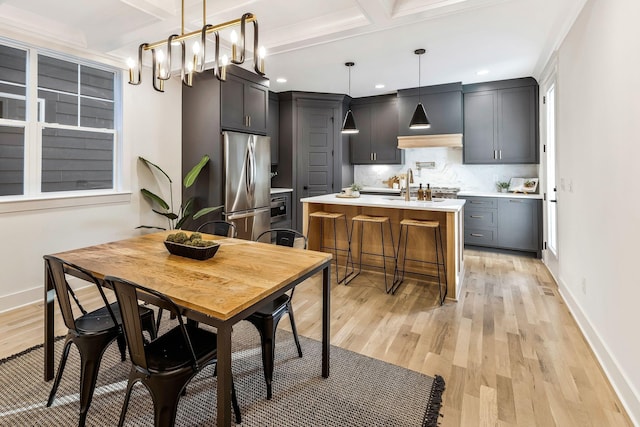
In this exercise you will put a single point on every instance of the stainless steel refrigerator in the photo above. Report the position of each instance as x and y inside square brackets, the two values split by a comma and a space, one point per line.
[247, 162]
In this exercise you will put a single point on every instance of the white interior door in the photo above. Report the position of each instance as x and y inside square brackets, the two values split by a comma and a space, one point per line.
[550, 252]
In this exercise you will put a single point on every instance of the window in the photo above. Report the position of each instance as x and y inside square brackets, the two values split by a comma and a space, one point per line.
[58, 124]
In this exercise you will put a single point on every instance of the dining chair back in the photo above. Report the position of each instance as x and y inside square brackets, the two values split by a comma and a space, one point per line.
[219, 228]
[267, 317]
[91, 332]
[167, 364]
[283, 237]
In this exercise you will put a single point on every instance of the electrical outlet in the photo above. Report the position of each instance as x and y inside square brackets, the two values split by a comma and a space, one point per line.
[584, 286]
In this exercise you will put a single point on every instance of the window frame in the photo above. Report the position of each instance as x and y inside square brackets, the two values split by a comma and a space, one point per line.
[33, 198]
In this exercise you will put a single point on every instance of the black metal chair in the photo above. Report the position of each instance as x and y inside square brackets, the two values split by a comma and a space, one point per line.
[167, 364]
[91, 332]
[266, 319]
[219, 228]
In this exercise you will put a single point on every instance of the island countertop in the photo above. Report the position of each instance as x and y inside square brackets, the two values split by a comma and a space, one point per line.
[448, 213]
[392, 202]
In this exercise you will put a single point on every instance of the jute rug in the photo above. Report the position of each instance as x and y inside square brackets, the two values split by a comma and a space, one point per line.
[360, 391]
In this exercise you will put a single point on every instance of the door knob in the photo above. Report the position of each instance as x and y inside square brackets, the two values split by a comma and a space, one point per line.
[305, 188]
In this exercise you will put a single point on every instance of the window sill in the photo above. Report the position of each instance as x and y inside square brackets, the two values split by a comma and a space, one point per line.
[58, 200]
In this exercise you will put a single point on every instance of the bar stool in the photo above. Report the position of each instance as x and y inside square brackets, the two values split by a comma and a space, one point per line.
[406, 225]
[381, 220]
[334, 216]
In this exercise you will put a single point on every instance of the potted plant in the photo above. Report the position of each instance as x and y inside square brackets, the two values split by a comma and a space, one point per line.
[175, 219]
[503, 186]
[355, 189]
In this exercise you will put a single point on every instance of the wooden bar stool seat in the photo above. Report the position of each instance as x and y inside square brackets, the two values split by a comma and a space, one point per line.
[381, 220]
[334, 217]
[405, 226]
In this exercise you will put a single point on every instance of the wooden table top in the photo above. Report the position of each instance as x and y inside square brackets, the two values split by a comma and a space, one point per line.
[239, 275]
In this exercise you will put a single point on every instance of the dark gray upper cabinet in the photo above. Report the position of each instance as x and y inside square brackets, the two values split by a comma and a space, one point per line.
[273, 126]
[501, 122]
[443, 104]
[244, 104]
[377, 120]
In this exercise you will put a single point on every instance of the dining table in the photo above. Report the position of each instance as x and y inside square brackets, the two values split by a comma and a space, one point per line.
[241, 277]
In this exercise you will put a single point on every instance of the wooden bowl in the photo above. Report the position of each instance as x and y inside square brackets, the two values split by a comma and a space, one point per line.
[192, 252]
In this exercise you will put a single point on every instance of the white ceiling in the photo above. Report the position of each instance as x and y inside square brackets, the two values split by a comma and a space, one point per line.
[308, 41]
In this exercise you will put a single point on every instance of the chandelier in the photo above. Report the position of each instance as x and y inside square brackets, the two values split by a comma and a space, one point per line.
[194, 62]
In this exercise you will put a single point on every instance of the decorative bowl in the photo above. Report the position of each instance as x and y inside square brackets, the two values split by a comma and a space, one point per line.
[193, 252]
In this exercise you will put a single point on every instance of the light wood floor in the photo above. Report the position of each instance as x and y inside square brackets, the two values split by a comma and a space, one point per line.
[509, 351]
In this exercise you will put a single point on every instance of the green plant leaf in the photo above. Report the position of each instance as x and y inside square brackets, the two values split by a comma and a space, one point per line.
[169, 215]
[151, 226]
[149, 164]
[205, 211]
[180, 223]
[187, 207]
[154, 198]
[191, 177]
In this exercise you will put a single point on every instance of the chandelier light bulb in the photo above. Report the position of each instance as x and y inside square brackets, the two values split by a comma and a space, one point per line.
[234, 45]
[130, 65]
[262, 52]
[160, 56]
[224, 60]
[196, 48]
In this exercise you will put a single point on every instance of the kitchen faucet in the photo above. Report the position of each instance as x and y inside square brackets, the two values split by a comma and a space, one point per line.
[408, 180]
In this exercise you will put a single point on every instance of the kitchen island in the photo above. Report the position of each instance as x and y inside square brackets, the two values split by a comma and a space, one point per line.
[447, 211]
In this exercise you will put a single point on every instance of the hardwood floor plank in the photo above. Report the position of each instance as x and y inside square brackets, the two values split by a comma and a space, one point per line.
[509, 350]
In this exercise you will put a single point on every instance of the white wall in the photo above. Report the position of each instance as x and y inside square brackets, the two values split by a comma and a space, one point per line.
[598, 153]
[152, 129]
[448, 172]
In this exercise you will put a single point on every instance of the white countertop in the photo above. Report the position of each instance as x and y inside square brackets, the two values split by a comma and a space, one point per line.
[496, 194]
[275, 190]
[393, 202]
[379, 190]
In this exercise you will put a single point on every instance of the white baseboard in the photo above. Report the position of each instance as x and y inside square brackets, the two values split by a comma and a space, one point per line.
[626, 392]
[33, 295]
[20, 299]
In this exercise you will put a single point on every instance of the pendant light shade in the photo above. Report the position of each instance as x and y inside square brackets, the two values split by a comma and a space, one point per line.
[419, 120]
[349, 123]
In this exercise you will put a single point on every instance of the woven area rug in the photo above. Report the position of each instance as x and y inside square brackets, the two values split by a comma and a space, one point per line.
[360, 391]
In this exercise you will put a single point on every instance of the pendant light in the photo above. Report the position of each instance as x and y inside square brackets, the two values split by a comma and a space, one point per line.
[419, 119]
[349, 124]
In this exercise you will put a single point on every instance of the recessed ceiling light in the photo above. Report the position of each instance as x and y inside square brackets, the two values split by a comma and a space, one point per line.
[482, 72]
[281, 80]
[379, 86]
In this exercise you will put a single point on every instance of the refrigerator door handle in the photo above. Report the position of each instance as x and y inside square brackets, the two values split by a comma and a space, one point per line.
[246, 214]
[252, 168]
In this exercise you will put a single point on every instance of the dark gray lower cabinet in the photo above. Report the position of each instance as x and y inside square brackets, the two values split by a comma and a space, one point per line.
[504, 223]
[518, 224]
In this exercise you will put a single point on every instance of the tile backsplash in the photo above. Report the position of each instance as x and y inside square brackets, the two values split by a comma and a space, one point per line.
[448, 172]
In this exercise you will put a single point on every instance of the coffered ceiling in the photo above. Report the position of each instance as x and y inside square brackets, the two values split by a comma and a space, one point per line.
[308, 41]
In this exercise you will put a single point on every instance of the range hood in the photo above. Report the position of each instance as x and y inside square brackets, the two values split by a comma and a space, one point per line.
[452, 140]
